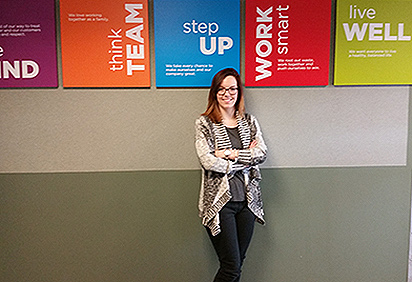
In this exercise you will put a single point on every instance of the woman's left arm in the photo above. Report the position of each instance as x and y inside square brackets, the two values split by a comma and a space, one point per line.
[256, 153]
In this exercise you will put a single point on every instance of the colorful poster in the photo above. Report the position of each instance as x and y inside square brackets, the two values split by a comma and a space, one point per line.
[27, 44]
[287, 43]
[194, 39]
[105, 43]
[373, 42]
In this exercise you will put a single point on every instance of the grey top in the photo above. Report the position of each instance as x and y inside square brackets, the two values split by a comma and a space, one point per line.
[237, 182]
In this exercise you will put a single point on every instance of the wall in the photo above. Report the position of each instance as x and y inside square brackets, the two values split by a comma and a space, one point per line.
[323, 224]
[92, 190]
[67, 130]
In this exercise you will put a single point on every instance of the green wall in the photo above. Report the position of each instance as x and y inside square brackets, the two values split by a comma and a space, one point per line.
[323, 224]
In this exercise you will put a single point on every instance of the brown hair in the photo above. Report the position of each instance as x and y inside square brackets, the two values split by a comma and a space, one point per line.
[212, 110]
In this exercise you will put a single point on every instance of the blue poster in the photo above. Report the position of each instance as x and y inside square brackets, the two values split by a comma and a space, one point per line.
[194, 39]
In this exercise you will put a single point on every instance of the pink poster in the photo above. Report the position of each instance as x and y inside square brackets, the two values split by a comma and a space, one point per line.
[287, 43]
[27, 44]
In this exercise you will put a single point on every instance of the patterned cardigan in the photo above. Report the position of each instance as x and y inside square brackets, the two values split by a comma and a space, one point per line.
[216, 172]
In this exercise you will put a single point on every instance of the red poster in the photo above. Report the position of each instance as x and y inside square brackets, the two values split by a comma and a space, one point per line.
[287, 42]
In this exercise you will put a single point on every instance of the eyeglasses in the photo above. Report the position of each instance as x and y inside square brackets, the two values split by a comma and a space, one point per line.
[222, 91]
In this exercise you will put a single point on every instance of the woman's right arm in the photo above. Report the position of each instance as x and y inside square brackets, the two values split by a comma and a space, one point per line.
[205, 152]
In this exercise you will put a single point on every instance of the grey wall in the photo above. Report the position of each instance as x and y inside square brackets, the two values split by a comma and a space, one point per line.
[120, 204]
[117, 129]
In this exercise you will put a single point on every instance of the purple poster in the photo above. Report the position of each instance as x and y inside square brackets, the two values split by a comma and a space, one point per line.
[27, 44]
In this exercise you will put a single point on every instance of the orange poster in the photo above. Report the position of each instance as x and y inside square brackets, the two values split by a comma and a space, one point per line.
[105, 43]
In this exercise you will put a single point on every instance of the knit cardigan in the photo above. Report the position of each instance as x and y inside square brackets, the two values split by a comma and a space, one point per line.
[216, 172]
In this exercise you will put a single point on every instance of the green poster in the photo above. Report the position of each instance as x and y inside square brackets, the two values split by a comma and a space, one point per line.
[373, 42]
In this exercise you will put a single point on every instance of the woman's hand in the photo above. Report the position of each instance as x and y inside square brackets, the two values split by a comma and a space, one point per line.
[253, 144]
[234, 154]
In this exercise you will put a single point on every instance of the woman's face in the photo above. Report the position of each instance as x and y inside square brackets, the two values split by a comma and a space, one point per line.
[227, 93]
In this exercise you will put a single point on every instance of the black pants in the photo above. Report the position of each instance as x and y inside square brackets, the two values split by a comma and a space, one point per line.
[237, 224]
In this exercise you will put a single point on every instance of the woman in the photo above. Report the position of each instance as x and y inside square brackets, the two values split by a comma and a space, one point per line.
[229, 145]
